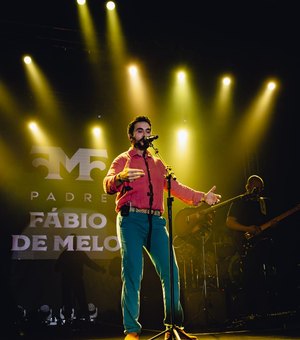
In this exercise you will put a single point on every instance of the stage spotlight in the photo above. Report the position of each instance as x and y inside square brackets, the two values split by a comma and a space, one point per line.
[271, 85]
[81, 2]
[33, 127]
[21, 315]
[93, 311]
[45, 314]
[110, 5]
[66, 317]
[182, 136]
[96, 132]
[181, 76]
[27, 59]
[133, 71]
[226, 81]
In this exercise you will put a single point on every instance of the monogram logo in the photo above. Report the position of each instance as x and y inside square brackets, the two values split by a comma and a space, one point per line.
[53, 157]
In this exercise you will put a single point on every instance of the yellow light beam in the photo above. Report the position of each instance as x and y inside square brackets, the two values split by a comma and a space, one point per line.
[41, 88]
[89, 32]
[254, 123]
[139, 97]
[8, 104]
[115, 36]
[37, 134]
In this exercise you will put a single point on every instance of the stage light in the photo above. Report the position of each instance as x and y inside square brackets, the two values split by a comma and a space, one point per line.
[89, 34]
[45, 314]
[96, 136]
[38, 135]
[110, 5]
[181, 75]
[64, 318]
[255, 122]
[33, 127]
[96, 132]
[21, 315]
[222, 102]
[226, 81]
[27, 59]
[41, 90]
[271, 85]
[133, 71]
[182, 136]
[93, 311]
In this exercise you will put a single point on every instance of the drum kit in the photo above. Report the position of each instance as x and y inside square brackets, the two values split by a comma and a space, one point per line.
[204, 258]
[204, 271]
[211, 260]
[206, 262]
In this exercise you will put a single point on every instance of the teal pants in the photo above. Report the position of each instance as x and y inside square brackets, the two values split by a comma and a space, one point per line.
[132, 233]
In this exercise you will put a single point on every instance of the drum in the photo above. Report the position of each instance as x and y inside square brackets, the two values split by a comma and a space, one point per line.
[230, 271]
[224, 250]
[235, 269]
[191, 264]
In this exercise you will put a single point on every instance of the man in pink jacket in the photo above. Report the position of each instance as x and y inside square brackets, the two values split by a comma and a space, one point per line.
[139, 180]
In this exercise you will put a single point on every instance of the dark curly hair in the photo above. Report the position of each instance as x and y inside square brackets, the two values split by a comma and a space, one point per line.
[130, 127]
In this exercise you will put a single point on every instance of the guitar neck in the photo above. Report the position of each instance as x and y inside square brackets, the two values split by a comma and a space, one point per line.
[273, 221]
[278, 218]
[222, 204]
[187, 219]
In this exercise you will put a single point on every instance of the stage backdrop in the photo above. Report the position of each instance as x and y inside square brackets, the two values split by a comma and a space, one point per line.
[66, 197]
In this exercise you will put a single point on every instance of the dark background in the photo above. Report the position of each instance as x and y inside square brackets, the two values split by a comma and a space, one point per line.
[250, 39]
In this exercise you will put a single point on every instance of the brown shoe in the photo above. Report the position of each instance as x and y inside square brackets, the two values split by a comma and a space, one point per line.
[132, 336]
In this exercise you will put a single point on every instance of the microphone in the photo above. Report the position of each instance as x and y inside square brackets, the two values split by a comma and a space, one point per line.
[150, 139]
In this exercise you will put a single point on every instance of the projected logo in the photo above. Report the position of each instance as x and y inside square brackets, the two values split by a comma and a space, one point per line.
[53, 157]
[75, 204]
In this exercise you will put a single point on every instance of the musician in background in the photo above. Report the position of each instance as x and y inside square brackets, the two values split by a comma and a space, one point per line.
[244, 218]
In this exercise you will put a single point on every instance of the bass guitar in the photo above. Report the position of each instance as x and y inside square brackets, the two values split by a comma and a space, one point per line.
[273, 221]
[189, 219]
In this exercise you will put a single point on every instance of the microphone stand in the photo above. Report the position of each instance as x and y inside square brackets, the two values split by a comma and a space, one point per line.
[173, 329]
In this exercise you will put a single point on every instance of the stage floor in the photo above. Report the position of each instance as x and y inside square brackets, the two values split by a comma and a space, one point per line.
[147, 335]
[112, 332]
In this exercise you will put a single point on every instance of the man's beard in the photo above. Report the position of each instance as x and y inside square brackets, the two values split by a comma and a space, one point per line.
[141, 146]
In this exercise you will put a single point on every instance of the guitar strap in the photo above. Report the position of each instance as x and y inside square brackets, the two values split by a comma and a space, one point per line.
[263, 207]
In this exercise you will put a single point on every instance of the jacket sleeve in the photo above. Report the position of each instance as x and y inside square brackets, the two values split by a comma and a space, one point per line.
[186, 194]
[109, 181]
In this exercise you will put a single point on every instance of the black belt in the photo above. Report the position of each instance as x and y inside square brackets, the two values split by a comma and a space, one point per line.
[145, 211]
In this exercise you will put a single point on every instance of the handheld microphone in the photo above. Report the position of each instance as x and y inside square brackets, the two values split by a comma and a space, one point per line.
[150, 139]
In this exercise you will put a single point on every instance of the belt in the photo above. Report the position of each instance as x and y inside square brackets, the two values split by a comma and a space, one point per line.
[145, 211]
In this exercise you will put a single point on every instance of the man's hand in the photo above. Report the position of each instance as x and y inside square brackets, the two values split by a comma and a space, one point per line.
[253, 229]
[211, 198]
[130, 174]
